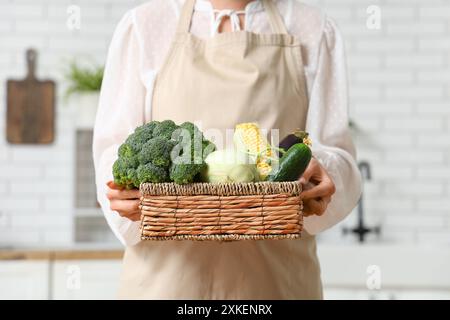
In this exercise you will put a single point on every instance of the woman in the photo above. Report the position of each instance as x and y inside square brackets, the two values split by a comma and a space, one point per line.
[191, 61]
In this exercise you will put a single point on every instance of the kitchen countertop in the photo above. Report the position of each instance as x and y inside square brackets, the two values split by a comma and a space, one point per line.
[70, 252]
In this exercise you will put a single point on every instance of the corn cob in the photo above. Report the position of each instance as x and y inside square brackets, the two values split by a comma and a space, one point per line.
[248, 138]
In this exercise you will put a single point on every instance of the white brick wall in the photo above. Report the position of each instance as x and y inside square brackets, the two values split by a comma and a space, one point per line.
[400, 101]
[37, 182]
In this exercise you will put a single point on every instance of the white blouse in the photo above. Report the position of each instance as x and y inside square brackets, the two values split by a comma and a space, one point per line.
[139, 45]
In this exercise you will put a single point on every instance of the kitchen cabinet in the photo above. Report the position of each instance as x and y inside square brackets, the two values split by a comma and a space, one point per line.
[85, 279]
[24, 279]
[82, 273]
[389, 294]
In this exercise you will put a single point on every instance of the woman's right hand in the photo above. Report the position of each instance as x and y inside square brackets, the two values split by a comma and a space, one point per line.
[125, 202]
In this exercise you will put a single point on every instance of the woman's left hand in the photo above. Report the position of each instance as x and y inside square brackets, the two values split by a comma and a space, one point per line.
[317, 198]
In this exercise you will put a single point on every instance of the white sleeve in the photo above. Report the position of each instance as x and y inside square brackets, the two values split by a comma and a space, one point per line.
[120, 111]
[327, 123]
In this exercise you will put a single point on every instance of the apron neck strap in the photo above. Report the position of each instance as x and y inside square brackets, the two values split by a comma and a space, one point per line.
[184, 22]
[275, 19]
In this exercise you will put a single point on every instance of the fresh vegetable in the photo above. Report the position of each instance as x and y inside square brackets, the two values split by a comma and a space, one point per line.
[296, 137]
[192, 149]
[124, 172]
[161, 152]
[164, 129]
[293, 163]
[248, 138]
[151, 173]
[229, 165]
[185, 173]
[156, 151]
[244, 173]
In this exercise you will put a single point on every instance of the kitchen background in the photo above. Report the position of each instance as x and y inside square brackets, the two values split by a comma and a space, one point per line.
[400, 109]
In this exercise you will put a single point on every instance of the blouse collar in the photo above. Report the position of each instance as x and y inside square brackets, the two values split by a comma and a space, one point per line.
[251, 7]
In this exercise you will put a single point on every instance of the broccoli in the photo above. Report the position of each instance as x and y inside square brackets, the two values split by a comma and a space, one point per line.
[151, 173]
[128, 155]
[187, 167]
[197, 136]
[185, 173]
[146, 128]
[125, 175]
[165, 129]
[124, 169]
[189, 135]
[207, 148]
[193, 130]
[150, 154]
[157, 151]
[137, 140]
[133, 178]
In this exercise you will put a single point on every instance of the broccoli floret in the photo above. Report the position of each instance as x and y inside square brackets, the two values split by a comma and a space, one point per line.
[164, 129]
[124, 175]
[136, 141]
[185, 173]
[147, 128]
[207, 148]
[157, 151]
[119, 171]
[128, 155]
[193, 130]
[141, 135]
[189, 134]
[151, 173]
[133, 178]
[125, 150]
[197, 136]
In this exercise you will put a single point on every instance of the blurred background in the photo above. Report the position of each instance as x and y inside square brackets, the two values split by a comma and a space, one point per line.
[54, 241]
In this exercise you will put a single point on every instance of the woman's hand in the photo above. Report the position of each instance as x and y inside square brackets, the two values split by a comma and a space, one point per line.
[317, 198]
[125, 202]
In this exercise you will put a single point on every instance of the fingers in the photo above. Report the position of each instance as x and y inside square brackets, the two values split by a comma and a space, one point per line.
[312, 207]
[129, 209]
[114, 194]
[123, 201]
[134, 217]
[316, 206]
[114, 186]
[324, 188]
[130, 206]
[306, 176]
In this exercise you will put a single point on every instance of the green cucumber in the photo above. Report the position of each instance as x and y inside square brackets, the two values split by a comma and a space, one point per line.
[293, 163]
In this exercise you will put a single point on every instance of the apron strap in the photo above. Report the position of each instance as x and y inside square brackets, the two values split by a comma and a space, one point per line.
[184, 22]
[275, 19]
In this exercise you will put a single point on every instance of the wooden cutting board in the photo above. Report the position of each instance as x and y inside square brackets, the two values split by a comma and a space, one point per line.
[30, 107]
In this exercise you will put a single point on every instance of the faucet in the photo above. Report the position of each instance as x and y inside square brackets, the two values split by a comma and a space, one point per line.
[361, 230]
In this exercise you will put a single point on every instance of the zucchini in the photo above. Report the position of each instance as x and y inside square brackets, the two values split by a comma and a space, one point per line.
[293, 163]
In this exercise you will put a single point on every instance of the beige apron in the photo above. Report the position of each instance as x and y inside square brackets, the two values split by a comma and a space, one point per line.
[232, 77]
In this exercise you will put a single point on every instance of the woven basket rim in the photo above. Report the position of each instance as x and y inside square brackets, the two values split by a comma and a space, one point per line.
[221, 189]
[226, 237]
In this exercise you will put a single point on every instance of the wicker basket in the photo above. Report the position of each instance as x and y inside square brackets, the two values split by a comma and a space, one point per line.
[228, 211]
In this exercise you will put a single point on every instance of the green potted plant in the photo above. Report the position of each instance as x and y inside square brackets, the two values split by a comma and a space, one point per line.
[83, 92]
